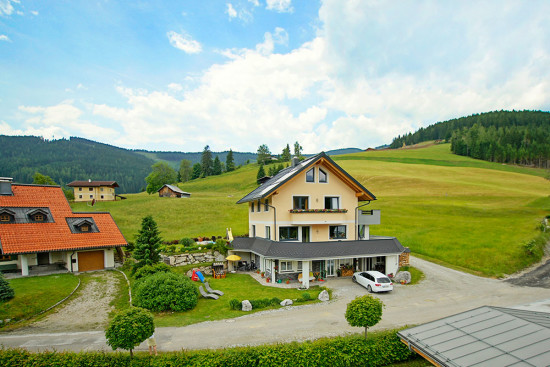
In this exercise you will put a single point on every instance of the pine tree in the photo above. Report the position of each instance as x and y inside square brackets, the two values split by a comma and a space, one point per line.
[148, 241]
[217, 167]
[197, 170]
[206, 162]
[261, 173]
[285, 157]
[229, 162]
[6, 291]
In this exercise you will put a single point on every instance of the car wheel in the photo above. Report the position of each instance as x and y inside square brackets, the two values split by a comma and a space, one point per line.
[369, 289]
[354, 280]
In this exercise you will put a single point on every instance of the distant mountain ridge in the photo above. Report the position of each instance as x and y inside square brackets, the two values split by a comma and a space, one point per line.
[66, 160]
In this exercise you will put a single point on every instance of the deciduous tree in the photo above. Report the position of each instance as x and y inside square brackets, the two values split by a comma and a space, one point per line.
[285, 157]
[364, 312]
[40, 179]
[298, 150]
[184, 172]
[263, 154]
[161, 174]
[129, 328]
[197, 170]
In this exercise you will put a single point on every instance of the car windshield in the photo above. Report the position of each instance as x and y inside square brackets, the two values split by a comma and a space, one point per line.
[383, 280]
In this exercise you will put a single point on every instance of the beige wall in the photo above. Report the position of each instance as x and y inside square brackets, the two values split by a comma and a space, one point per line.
[316, 192]
[95, 193]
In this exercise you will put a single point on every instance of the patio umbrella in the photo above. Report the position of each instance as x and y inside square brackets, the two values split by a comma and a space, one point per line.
[233, 258]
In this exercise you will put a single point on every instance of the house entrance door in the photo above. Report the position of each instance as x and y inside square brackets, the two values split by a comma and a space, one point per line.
[330, 267]
[43, 258]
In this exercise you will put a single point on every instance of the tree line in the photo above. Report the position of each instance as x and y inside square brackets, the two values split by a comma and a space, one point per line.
[517, 137]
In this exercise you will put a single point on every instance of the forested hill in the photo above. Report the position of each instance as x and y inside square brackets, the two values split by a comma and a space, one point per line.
[518, 137]
[67, 160]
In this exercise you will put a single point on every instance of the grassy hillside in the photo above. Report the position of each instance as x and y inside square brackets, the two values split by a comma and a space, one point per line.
[460, 211]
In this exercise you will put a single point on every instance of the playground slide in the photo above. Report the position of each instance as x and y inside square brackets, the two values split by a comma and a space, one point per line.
[201, 277]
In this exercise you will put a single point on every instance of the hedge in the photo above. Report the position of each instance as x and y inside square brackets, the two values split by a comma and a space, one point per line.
[380, 349]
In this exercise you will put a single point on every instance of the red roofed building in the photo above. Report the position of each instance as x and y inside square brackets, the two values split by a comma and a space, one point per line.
[38, 227]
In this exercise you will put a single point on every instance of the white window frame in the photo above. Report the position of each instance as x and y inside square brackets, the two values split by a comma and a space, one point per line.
[268, 232]
[253, 230]
[299, 266]
[287, 267]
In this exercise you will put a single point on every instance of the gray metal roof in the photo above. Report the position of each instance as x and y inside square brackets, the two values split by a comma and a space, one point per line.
[288, 173]
[174, 188]
[318, 250]
[485, 336]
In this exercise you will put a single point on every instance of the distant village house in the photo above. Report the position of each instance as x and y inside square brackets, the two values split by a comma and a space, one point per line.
[94, 190]
[171, 191]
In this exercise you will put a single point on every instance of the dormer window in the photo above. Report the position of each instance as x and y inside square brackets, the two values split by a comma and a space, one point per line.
[323, 178]
[85, 228]
[6, 217]
[310, 175]
[82, 225]
[38, 216]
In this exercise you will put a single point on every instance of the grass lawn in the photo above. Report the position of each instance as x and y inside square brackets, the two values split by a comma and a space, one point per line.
[463, 212]
[35, 294]
[239, 286]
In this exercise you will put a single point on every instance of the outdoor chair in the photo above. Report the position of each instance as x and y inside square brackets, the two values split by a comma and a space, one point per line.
[207, 295]
[210, 290]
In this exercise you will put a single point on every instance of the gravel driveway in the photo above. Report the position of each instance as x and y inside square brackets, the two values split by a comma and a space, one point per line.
[443, 292]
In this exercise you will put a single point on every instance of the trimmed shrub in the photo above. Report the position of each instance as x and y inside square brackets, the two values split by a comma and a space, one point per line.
[147, 270]
[187, 242]
[129, 328]
[276, 301]
[6, 291]
[165, 292]
[235, 304]
[364, 311]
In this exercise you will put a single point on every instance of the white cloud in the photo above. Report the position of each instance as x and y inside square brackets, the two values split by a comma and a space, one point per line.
[6, 6]
[175, 87]
[254, 2]
[34, 12]
[231, 11]
[281, 6]
[184, 42]
[4, 38]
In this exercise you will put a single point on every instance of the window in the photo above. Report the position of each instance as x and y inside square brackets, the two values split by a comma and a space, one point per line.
[39, 217]
[252, 207]
[6, 258]
[80, 196]
[85, 228]
[101, 189]
[310, 175]
[91, 196]
[299, 266]
[102, 196]
[322, 176]
[259, 203]
[91, 189]
[285, 265]
[337, 232]
[268, 232]
[288, 233]
[332, 202]
[300, 202]
[253, 230]
[266, 205]
[80, 189]
[5, 218]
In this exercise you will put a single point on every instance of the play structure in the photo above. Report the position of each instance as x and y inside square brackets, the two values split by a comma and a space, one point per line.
[212, 293]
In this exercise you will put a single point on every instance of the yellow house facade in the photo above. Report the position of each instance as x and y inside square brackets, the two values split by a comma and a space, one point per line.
[94, 190]
[313, 216]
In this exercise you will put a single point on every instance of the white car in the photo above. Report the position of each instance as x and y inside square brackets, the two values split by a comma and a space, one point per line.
[374, 281]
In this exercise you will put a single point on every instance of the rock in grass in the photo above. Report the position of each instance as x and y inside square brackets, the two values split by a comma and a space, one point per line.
[247, 306]
[402, 275]
[286, 302]
[324, 296]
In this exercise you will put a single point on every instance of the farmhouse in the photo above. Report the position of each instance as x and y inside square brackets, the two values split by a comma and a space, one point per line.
[171, 191]
[38, 230]
[308, 219]
[94, 190]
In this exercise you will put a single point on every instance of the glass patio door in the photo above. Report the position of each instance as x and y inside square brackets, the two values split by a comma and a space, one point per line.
[330, 267]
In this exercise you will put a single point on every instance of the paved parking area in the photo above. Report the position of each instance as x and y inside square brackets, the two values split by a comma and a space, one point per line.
[443, 292]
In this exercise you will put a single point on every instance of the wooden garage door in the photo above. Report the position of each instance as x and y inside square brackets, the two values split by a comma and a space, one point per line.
[90, 260]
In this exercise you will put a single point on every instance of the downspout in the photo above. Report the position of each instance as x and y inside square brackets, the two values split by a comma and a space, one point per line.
[72, 260]
[357, 220]
[274, 221]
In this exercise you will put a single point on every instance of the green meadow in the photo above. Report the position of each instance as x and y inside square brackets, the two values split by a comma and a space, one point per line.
[456, 210]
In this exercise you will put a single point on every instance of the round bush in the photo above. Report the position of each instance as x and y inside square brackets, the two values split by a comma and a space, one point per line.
[235, 304]
[187, 242]
[6, 291]
[165, 292]
[147, 270]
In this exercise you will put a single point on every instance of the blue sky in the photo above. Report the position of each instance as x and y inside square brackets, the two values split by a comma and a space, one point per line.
[167, 75]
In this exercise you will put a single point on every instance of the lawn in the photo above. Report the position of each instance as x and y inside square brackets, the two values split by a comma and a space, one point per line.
[459, 211]
[35, 294]
[239, 286]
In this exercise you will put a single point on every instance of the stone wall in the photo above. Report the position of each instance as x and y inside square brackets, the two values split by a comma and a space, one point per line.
[195, 258]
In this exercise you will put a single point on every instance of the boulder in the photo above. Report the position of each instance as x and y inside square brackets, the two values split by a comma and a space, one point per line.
[247, 306]
[402, 275]
[323, 296]
[286, 302]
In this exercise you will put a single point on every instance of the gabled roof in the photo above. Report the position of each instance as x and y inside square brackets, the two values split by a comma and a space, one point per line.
[318, 250]
[25, 236]
[93, 184]
[174, 188]
[287, 174]
[485, 336]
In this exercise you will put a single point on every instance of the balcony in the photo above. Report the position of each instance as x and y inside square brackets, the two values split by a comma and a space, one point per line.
[318, 216]
[369, 217]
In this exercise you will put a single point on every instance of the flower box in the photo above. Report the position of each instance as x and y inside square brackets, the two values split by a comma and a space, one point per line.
[296, 211]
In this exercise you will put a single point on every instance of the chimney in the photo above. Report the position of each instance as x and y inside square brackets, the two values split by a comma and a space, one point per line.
[5, 186]
[295, 161]
[89, 180]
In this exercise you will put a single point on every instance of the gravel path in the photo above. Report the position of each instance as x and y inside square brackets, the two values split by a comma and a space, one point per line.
[443, 292]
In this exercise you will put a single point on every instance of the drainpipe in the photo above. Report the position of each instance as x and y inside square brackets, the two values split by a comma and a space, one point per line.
[74, 252]
[357, 220]
[274, 221]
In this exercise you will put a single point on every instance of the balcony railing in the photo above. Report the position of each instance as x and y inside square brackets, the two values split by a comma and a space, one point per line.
[295, 211]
